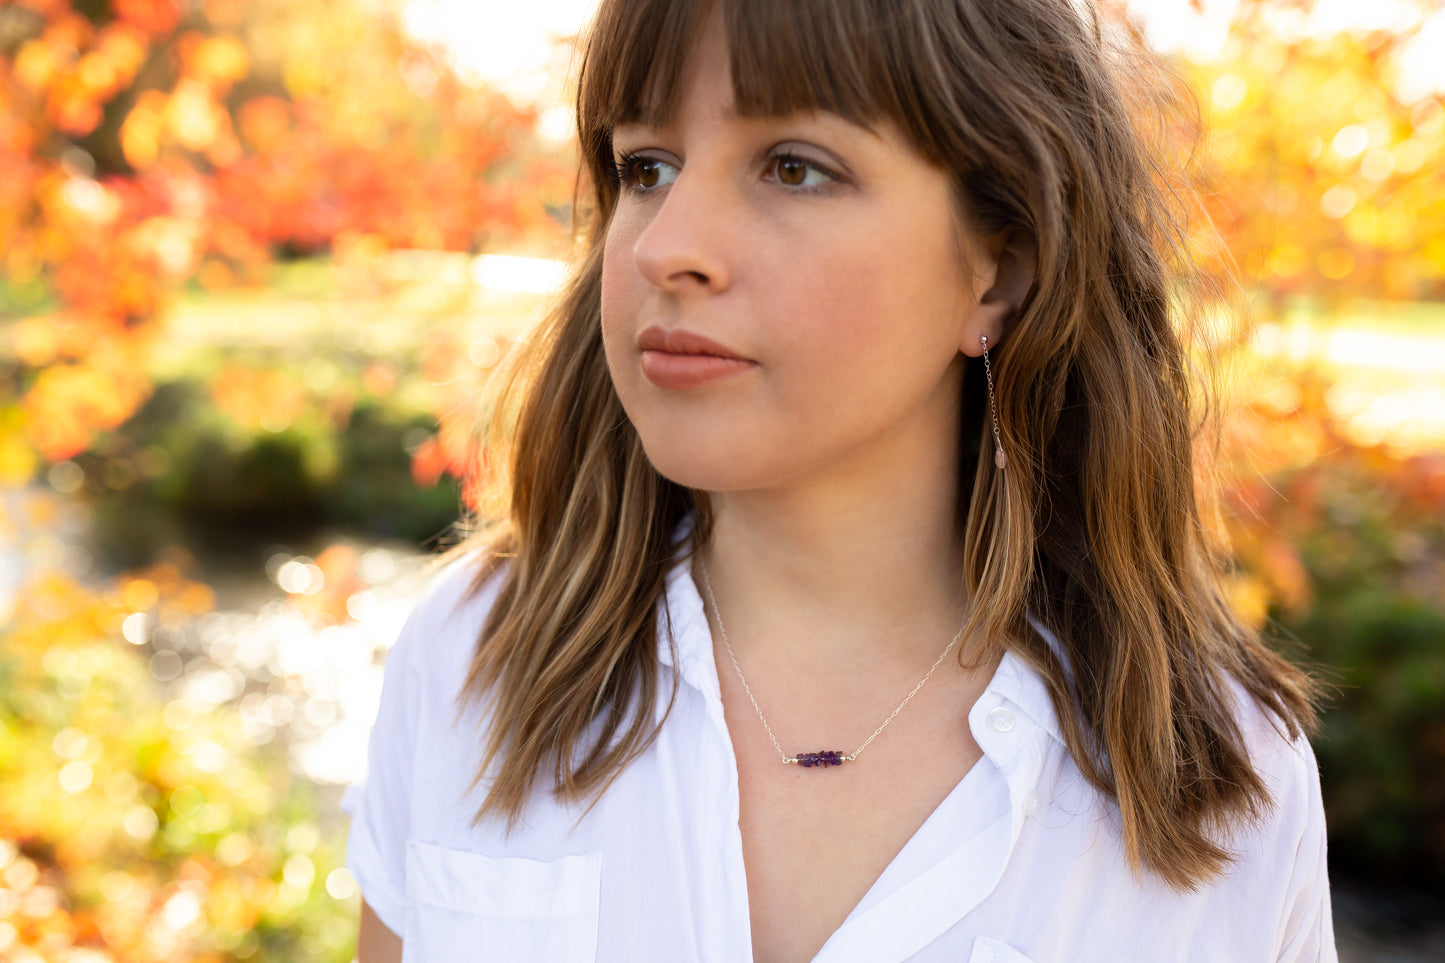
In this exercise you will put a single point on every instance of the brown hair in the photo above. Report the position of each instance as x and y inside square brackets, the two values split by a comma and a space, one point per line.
[1095, 530]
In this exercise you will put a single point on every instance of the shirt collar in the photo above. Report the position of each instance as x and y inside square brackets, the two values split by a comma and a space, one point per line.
[687, 647]
[1020, 684]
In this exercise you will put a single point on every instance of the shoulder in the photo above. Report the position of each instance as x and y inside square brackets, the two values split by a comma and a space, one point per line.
[1281, 857]
[1285, 762]
[446, 622]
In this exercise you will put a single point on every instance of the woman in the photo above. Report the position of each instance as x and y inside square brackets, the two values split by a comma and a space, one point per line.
[855, 602]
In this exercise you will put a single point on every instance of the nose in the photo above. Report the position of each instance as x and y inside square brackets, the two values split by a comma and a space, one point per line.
[685, 246]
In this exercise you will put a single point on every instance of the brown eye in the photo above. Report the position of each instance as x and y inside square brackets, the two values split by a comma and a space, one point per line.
[642, 174]
[792, 171]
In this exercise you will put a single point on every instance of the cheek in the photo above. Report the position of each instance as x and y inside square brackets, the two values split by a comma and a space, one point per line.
[620, 297]
[877, 311]
[614, 275]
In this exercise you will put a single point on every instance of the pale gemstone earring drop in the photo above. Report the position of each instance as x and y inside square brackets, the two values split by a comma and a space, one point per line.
[999, 458]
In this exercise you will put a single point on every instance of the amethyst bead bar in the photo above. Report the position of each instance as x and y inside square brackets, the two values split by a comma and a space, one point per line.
[827, 757]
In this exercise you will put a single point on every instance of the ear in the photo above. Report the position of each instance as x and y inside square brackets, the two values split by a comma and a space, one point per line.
[1013, 256]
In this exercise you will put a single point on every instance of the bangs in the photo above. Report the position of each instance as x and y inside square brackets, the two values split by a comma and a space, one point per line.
[830, 55]
[846, 57]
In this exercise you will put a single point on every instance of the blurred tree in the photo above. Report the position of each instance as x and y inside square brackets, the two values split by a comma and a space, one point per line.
[147, 143]
[1321, 177]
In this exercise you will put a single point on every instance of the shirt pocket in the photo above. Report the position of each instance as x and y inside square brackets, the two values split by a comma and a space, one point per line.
[989, 950]
[467, 906]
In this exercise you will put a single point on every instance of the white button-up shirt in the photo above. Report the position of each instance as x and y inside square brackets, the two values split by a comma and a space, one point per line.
[1023, 861]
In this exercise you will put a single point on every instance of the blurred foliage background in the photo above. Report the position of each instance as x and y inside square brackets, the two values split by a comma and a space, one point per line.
[257, 260]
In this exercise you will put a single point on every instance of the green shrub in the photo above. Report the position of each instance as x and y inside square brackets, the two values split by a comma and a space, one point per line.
[183, 471]
[1351, 549]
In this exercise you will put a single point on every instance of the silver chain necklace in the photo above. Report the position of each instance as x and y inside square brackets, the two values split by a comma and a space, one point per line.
[824, 757]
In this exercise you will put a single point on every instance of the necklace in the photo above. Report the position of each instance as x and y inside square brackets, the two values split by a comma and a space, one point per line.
[824, 757]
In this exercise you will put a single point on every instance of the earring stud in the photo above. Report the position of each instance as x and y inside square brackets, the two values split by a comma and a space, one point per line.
[999, 458]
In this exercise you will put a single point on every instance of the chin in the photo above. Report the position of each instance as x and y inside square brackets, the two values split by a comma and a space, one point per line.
[693, 467]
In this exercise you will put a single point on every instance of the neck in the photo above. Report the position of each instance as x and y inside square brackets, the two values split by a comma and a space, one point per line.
[866, 573]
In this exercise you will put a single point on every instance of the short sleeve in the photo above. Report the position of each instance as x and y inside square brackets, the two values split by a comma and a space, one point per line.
[380, 806]
[418, 695]
[1308, 934]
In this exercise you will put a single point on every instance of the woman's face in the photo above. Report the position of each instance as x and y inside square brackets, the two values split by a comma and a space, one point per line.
[784, 300]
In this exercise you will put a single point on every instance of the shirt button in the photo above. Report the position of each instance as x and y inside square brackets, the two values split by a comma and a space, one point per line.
[1001, 718]
[1032, 802]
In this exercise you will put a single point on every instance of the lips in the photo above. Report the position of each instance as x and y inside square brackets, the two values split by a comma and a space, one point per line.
[683, 342]
[678, 360]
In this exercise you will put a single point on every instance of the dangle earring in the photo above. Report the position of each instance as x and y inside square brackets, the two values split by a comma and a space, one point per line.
[999, 458]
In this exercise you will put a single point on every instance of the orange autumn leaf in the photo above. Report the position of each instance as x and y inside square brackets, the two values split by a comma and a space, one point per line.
[155, 17]
[124, 46]
[69, 404]
[218, 61]
[140, 134]
[33, 65]
[428, 462]
[194, 116]
[73, 109]
[265, 123]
